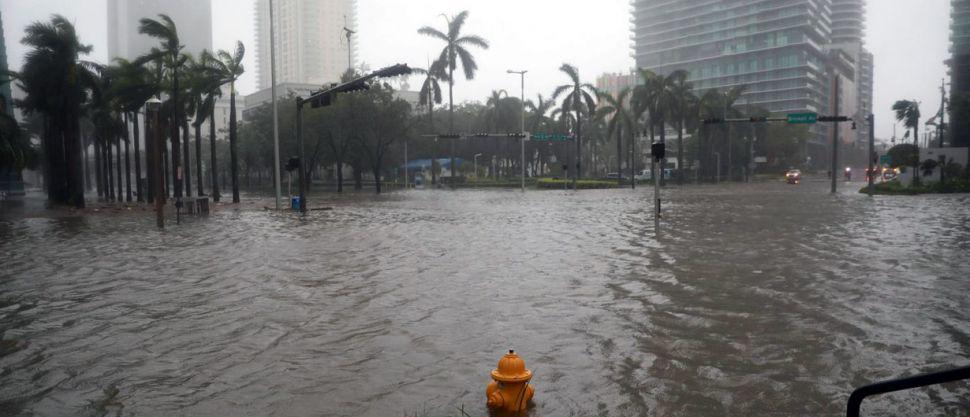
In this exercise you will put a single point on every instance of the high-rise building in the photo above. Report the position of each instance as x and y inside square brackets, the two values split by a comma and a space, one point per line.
[848, 34]
[193, 19]
[5, 96]
[959, 64]
[614, 83]
[781, 50]
[311, 40]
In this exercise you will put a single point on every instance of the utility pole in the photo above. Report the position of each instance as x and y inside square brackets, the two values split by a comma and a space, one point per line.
[835, 135]
[154, 105]
[939, 128]
[350, 56]
[522, 131]
[405, 163]
[872, 153]
[302, 165]
[276, 125]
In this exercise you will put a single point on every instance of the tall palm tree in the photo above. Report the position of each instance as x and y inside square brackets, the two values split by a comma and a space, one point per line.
[578, 98]
[907, 111]
[133, 86]
[430, 95]
[170, 54]
[55, 81]
[620, 120]
[682, 106]
[537, 121]
[231, 68]
[454, 53]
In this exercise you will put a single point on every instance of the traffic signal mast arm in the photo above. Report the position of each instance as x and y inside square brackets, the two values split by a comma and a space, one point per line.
[359, 83]
[718, 120]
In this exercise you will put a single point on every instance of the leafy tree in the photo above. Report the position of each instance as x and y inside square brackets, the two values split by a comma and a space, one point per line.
[621, 122]
[904, 155]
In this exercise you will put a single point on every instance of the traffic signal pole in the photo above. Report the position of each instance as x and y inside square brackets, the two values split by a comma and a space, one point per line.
[835, 136]
[872, 144]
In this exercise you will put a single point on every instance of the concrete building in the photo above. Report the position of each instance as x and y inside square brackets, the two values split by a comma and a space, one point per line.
[779, 49]
[193, 19]
[613, 83]
[6, 99]
[311, 43]
[848, 34]
[959, 64]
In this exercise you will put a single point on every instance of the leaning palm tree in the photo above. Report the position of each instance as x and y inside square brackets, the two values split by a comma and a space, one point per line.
[907, 111]
[578, 98]
[170, 54]
[133, 86]
[454, 53]
[619, 121]
[202, 82]
[538, 120]
[230, 67]
[430, 95]
[55, 81]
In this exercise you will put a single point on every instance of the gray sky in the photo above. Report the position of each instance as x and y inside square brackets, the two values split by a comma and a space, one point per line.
[909, 43]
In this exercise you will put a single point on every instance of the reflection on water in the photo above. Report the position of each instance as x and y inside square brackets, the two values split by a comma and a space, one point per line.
[758, 300]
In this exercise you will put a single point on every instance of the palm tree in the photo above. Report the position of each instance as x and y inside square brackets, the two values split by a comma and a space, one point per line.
[454, 53]
[620, 121]
[133, 86]
[170, 54]
[682, 106]
[55, 80]
[230, 67]
[579, 99]
[201, 82]
[537, 121]
[430, 95]
[907, 111]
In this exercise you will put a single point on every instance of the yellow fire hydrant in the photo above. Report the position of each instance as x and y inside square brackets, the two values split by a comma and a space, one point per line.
[510, 391]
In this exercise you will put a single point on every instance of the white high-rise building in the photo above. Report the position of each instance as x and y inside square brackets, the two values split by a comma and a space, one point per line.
[311, 43]
[193, 19]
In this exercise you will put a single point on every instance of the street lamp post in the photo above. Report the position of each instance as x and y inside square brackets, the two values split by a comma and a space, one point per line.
[276, 127]
[522, 131]
[153, 106]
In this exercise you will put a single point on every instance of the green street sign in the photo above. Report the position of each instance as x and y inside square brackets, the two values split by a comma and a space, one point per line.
[545, 137]
[885, 160]
[803, 118]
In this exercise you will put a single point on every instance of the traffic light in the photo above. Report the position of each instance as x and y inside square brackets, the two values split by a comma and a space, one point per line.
[292, 164]
[658, 150]
[833, 119]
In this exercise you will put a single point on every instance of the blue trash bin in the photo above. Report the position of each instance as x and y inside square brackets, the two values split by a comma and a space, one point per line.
[295, 202]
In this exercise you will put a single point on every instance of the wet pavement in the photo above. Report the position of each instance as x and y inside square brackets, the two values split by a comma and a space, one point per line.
[761, 299]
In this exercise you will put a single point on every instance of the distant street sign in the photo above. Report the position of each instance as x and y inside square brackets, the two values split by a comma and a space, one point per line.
[803, 118]
[885, 160]
[761, 159]
[545, 137]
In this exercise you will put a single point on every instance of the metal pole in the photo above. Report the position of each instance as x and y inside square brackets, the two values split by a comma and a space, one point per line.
[276, 126]
[656, 195]
[405, 163]
[522, 139]
[717, 174]
[835, 136]
[872, 144]
[939, 127]
[156, 171]
[302, 165]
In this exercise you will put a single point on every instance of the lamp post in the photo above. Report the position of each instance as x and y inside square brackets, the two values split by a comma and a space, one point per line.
[152, 107]
[276, 126]
[523, 138]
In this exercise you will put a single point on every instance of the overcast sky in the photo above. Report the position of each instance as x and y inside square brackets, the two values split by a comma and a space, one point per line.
[909, 43]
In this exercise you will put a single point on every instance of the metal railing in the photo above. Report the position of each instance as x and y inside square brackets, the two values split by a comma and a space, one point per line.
[893, 385]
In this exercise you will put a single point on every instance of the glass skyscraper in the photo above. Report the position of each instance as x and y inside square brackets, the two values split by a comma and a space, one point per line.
[781, 50]
[959, 63]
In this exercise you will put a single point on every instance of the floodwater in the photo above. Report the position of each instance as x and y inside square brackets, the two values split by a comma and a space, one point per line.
[762, 299]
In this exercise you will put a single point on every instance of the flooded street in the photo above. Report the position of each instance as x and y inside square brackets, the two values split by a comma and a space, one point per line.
[761, 299]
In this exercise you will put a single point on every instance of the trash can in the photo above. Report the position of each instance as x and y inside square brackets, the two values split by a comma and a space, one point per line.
[295, 202]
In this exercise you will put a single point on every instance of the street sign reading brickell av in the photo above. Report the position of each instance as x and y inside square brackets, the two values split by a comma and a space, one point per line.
[803, 118]
[545, 137]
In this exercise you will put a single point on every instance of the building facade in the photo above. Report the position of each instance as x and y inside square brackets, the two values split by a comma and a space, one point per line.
[959, 64]
[781, 50]
[193, 19]
[614, 83]
[848, 34]
[311, 41]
